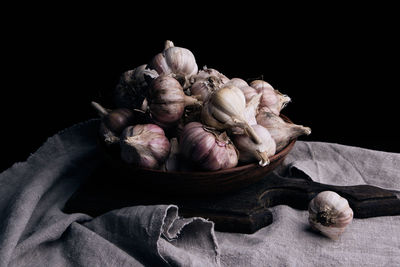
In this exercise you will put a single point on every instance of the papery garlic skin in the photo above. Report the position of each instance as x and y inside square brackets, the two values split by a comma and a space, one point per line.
[249, 151]
[249, 114]
[144, 145]
[330, 214]
[177, 61]
[271, 100]
[204, 87]
[206, 82]
[281, 131]
[167, 100]
[205, 73]
[224, 110]
[131, 88]
[107, 135]
[208, 149]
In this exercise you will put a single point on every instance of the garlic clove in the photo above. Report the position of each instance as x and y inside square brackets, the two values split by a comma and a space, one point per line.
[330, 214]
[281, 131]
[250, 151]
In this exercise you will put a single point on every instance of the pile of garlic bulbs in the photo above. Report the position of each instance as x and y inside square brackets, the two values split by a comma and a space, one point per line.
[170, 115]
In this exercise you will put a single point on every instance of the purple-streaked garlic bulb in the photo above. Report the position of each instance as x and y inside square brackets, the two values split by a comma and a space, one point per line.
[177, 61]
[271, 100]
[281, 131]
[130, 91]
[144, 145]
[209, 149]
[250, 151]
[167, 101]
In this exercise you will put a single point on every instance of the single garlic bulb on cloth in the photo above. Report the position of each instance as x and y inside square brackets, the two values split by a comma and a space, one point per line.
[144, 145]
[177, 61]
[209, 149]
[330, 214]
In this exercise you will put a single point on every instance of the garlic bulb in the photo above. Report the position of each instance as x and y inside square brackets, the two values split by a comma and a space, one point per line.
[207, 148]
[167, 100]
[205, 73]
[329, 214]
[144, 145]
[281, 131]
[249, 151]
[204, 87]
[248, 91]
[206, 82]
[115, 120]
[259, 85]
[178, 61]
[224, 109]
[272, 100]
[131, 89]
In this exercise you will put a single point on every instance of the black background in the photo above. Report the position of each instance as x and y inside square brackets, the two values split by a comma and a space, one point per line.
[339, 68]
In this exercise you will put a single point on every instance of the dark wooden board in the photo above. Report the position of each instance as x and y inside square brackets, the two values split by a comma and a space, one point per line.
[243, 211]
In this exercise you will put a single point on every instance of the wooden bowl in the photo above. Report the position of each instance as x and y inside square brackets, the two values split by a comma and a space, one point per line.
[189, 183]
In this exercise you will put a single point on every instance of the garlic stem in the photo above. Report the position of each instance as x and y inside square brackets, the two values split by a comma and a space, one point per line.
[102, 111]
[251, 133]
[264, 158]
[191, 100]
[168, 44]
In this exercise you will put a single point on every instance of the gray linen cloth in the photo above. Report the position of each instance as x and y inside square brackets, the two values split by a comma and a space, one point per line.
[34, 231]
